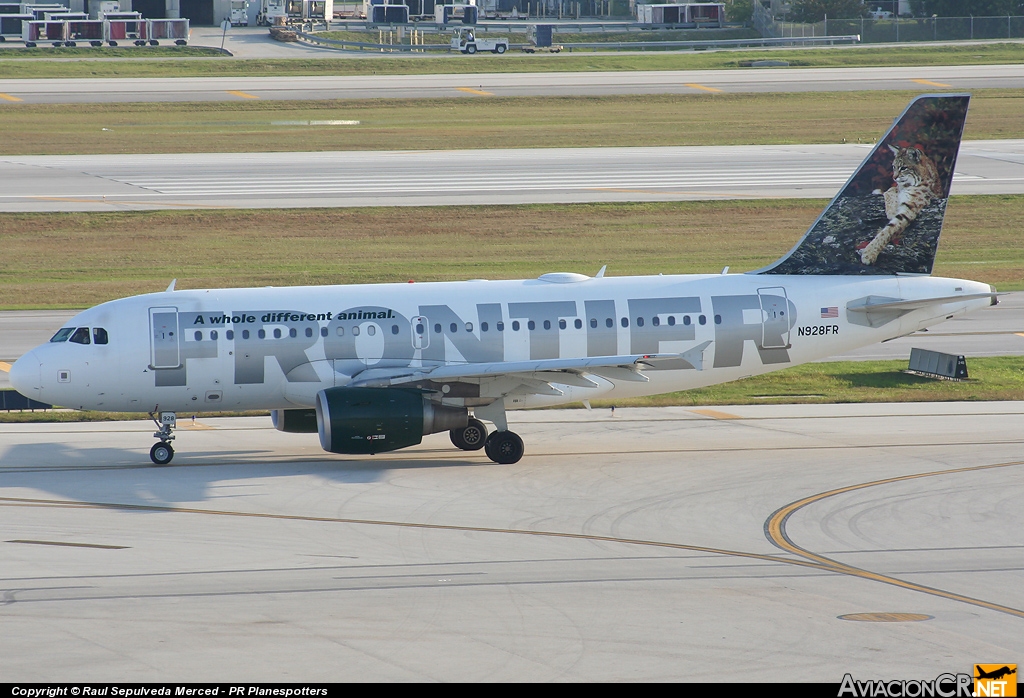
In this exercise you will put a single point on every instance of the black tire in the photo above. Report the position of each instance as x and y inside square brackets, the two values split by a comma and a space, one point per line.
[30, 44]
[471, 48]
[504, 447]
[161, 453]
[154, 42]
[112, 43]
[471, 437]
[95, 44]
[500, 48]
[72, 44]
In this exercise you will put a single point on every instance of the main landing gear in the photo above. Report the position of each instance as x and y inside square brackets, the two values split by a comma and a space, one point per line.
[162, 451]
[503, 447]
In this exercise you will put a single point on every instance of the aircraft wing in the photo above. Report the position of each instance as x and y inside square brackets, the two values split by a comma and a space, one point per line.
[539, 373]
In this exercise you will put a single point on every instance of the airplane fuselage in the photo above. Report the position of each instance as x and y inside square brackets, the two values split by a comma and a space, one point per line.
[275, 348]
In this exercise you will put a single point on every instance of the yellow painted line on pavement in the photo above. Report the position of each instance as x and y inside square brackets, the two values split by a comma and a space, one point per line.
[930, 83]
[715, 414]
[775, 530]
[239, 93]
[10, 98]
[5, 367]
[471, 91]
[1019, 334]
[702, 87]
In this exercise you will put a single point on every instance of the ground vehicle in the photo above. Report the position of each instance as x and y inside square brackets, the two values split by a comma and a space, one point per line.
[239, 13]
[269, 11]
[465, 40]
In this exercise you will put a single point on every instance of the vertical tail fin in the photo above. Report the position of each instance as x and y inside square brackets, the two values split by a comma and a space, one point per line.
[888, 217]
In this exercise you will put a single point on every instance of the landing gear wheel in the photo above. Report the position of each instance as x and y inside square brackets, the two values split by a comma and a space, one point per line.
[471, 48]
[504, 447]
[161, 453]
[470, 437]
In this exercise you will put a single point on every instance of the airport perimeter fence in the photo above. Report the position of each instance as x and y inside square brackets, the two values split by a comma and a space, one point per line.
[896, 29]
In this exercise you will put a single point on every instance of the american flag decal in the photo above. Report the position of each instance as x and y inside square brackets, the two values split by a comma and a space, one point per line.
[831, 311]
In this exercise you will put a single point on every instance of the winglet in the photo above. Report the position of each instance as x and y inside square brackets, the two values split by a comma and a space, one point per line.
[170, 286]
[888, 217]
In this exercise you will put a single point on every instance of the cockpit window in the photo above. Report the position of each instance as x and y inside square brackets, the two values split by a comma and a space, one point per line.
[81, 336]
[62, 334]
[99, 335]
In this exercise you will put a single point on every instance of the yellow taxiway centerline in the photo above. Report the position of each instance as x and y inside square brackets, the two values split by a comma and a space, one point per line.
[471, 91]
[701, 87]
[5, 367]
[10, 98]
[775, 530]
[239, 93]
[930, 83]
[715, 414]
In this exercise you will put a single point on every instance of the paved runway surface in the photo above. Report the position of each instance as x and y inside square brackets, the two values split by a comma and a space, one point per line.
[924, 79]
[416, 178]
[658, 544]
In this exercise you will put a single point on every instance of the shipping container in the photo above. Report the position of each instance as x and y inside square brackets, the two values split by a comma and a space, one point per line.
[176, 30]
[90, 30]
[10, 26]
[43, 31]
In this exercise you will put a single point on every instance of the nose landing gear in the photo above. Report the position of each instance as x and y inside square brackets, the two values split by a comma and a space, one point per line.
[162, 451]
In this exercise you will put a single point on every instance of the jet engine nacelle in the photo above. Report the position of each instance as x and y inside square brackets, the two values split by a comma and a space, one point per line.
[294, 421]
[374, 420]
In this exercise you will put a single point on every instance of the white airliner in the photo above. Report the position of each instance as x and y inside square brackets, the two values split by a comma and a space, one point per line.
[373, 368]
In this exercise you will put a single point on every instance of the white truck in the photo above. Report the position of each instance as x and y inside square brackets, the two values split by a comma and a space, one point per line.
[239, 13]
[465, 40]
[270, 10]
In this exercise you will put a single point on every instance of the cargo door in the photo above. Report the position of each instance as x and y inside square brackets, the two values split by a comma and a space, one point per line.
[163, 326]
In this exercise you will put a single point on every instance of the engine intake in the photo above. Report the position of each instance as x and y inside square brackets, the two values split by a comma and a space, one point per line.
[375, 420]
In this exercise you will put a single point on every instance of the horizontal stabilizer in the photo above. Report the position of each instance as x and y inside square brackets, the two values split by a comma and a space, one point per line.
[867, 305]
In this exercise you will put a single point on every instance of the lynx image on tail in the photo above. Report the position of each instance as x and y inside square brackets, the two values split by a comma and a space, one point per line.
[917, 183]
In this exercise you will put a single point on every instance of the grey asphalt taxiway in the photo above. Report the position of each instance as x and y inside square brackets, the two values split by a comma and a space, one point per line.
[199, 89]
[500, 176]
[797, 542]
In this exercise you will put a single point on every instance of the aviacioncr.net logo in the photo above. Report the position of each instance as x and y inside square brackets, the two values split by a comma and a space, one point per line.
[942, 686]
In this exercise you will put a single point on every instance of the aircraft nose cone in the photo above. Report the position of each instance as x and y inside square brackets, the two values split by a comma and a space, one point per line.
[24, 375]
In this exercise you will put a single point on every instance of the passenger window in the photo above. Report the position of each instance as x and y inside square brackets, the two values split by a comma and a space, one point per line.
[625, 322]
[702, 320]
[293, 333]
[213, 334]
[62, 334]
[561, 324]
[309, 331]
[579, 324]
[199, 336]
[323, 331]
[515, 325]
[608, 322]
[230, 334]
[81, 336]
[639, 322]
[371, 330]
[469, 327]
[656, 321]
[355, 331]
[262, 334]
[718, 319]
[547, 324]
[671, 320]
[453, 327]
[277, 333]
[686, 319]
[593, 322]
[245, 334]
[437, 328]
[531, 325]
[500, 326]
[483, 326]
[394, 329]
